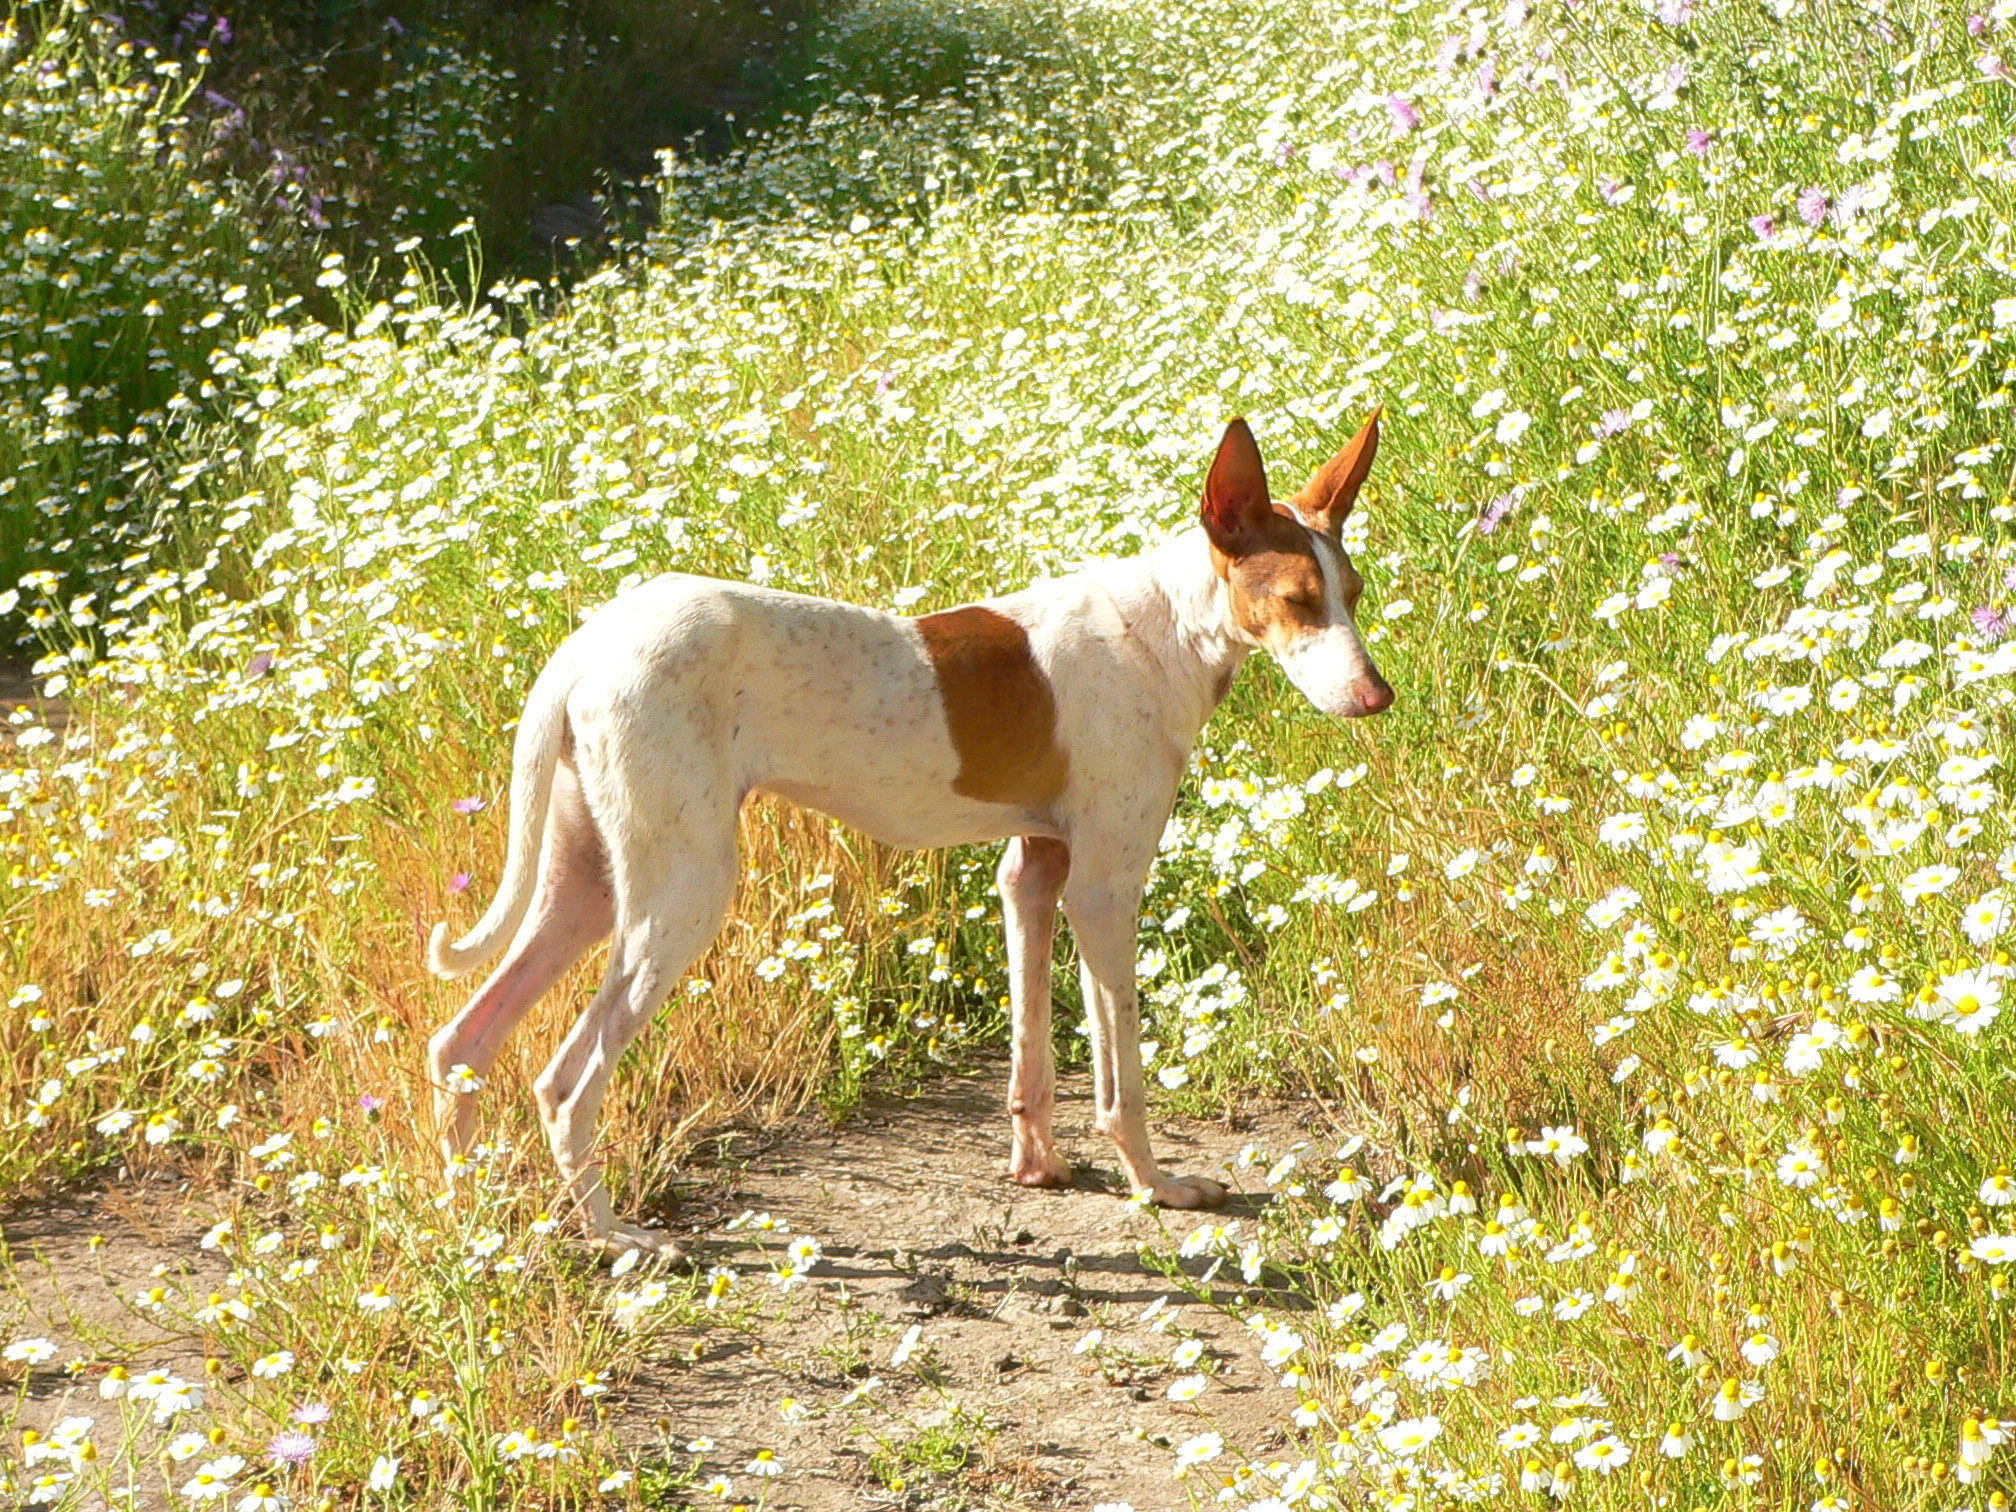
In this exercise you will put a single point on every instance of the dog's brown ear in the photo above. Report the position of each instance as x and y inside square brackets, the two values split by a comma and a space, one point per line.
[1326, 499]
[1236, 503]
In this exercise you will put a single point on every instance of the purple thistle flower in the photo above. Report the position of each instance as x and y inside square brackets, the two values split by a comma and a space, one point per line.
[1487, 80]
[1670, 560]
[1442, 322]
[2009, 578]
[1614, 423]
[1977, 25]
[292, 1447]
[1495, 512]
[1446, 55]
[370, 1104]
[1991, 66]
[1473, 283]
[1283, 151]
[259, 666]
[1612, 190]
[1385, 172]
[1675, 12]
[459, 883]
[468, 805]
[1405, 117]
[1765, 227]
[1699, 141]
[312, 1414]
[1991, 624]
[1424, 206]
[221, 33]
[1813, 205]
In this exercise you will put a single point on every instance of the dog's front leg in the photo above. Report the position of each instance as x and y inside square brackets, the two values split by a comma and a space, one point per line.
[1104, 916]
[1031, 879]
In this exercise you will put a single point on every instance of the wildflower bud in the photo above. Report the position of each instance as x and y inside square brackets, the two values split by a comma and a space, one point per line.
[263, 1182]
[216, 1435]
[213, 1367]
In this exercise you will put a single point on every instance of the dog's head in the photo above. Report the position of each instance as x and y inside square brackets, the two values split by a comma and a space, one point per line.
[1289, 581]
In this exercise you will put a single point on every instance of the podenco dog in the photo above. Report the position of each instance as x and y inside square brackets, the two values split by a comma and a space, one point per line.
[1059, 718]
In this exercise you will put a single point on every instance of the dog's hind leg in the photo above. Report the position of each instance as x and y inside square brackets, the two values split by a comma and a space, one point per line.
[670, 901]
[1031, 879]
[573, 910]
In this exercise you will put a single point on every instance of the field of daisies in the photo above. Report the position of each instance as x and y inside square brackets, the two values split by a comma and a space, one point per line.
[1640, 978]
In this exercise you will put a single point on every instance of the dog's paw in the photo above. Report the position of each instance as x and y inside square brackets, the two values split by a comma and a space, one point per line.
[648, 1244]
[1038, 1166]
[1186, 1192]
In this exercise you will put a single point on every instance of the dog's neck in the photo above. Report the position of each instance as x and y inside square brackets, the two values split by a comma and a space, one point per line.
[1178, 608]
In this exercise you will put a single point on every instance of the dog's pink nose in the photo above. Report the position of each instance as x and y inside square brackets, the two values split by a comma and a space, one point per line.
[1377, 698]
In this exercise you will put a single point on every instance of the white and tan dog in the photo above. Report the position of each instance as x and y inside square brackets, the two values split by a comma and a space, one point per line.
[1060, 718]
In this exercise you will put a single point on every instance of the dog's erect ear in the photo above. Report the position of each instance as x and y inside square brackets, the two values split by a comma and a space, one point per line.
[1236, 503]
[1327, 498]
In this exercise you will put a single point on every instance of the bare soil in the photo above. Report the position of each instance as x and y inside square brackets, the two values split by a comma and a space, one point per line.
[919, 1226]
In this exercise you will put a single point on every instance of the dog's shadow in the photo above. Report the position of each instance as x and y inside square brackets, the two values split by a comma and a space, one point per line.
[875, 1189]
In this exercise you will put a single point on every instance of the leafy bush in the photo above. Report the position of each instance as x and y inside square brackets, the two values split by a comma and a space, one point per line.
[125, 263]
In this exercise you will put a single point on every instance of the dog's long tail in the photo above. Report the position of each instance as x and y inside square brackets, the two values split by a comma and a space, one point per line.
[534, 755]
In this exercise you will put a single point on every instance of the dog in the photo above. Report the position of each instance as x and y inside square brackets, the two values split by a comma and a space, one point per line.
[1059, 718]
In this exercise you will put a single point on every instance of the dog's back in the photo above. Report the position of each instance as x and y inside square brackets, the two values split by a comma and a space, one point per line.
[862, 715]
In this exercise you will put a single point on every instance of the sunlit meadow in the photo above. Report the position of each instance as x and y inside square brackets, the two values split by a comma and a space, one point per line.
[1643, 972]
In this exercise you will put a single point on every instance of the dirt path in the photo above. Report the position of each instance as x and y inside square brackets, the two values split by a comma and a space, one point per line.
[920, 1227]
[998, 1406]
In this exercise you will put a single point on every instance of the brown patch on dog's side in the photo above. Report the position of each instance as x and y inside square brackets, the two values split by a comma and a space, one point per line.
[998, 705]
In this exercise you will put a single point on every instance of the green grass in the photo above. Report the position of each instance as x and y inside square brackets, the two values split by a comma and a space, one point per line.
[977, 311]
